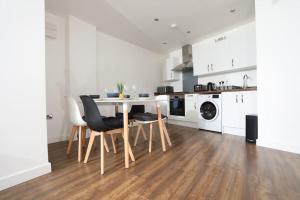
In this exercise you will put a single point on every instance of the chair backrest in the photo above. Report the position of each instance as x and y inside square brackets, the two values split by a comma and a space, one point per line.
[74, 113]
[92, 115]
[137, 109]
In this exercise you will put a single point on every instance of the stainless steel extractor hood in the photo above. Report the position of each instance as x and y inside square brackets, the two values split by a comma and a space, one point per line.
[187, 59]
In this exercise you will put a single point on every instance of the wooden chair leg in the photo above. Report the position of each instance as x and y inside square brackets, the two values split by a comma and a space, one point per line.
[153, 134]
[131, 153]
[71, 138]
[79, 144]
[91, 142]
[102, 152]
[83, 135]
[161, 132]
[105, 144]
[143, 131]
[137, 134]
[150, 139]
[95, 144]
[129, 150]
[113, 143]
[144, 134]
[166, 134]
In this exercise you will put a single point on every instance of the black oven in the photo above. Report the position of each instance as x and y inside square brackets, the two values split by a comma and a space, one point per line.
[177, 107]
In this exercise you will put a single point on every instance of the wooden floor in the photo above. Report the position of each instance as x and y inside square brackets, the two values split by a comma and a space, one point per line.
[200, 165]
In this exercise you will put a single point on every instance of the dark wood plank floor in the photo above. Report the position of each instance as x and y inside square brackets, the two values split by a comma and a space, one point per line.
[200, 165]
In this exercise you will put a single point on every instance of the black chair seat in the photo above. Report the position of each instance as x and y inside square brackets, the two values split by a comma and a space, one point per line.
[113, 122]
[135, 109]
[147, 117]
[120, 115]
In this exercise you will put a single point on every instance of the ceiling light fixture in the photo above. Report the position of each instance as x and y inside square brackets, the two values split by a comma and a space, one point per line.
[156, 19]
[188, 32]
[164, 43]
[173, 25]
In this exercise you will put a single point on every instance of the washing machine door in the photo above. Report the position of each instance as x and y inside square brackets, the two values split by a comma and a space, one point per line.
[209, 110]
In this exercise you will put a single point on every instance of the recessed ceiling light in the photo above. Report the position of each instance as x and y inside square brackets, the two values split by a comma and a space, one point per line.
[173, 25]
[164, 43]
[188, 32]
[156, 19]
[232, 10]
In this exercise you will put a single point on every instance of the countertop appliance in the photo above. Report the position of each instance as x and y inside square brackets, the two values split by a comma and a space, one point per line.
[187, 59]
[177, 105]
[211, 86]
[200, 88]
[210, 112]
[165, 89]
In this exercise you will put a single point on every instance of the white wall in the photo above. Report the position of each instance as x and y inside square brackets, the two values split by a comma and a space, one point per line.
[117, 61]
[278, 50]
[120, 61]
[23, 142]
[57, 128]
[81, 57]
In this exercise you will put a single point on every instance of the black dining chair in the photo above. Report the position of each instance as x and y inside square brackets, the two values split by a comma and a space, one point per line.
[150, 118]
[100, 126]
[135, 109]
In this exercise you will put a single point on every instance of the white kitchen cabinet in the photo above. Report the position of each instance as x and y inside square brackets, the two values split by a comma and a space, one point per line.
[169, 74]
[221, 53]
[226, 52]
[243, 46]
[191, 114]
[202, 57]
[235, 107]
[211, 56]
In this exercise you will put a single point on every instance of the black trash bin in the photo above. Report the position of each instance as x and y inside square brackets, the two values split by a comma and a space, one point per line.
[251, 128]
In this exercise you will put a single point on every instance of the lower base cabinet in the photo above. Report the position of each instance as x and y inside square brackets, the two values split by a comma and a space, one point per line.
[235, 107]
[191, 113]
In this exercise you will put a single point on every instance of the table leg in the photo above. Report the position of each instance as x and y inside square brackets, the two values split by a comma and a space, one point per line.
[125, 121]
[160, 124]
[116, 111]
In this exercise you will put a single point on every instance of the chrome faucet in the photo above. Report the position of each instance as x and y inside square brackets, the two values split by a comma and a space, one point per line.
[245, 79]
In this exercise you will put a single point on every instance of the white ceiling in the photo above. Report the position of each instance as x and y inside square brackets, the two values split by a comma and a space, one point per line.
[132, 20]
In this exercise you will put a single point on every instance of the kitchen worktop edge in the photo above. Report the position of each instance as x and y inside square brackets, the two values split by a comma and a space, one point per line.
[208, 92]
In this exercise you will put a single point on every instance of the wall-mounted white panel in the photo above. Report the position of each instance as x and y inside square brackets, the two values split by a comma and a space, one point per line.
[278, 47]
[23, 142]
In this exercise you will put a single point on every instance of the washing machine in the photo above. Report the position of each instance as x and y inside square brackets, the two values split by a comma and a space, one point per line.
[209, 112]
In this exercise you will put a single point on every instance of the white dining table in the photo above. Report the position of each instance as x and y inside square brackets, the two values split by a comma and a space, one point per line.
[134, 101]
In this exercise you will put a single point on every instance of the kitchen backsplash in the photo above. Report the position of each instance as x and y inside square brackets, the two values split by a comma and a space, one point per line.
[235, 78]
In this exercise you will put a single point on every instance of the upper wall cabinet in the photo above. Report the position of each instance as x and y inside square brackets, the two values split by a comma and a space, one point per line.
[233, 50]
[169, 74]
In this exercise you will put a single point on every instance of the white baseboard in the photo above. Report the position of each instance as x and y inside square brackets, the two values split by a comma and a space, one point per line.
[24, 175]
[278, 146]
[65, 138]
[183, 123]
[57, 139]
[234, 131]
